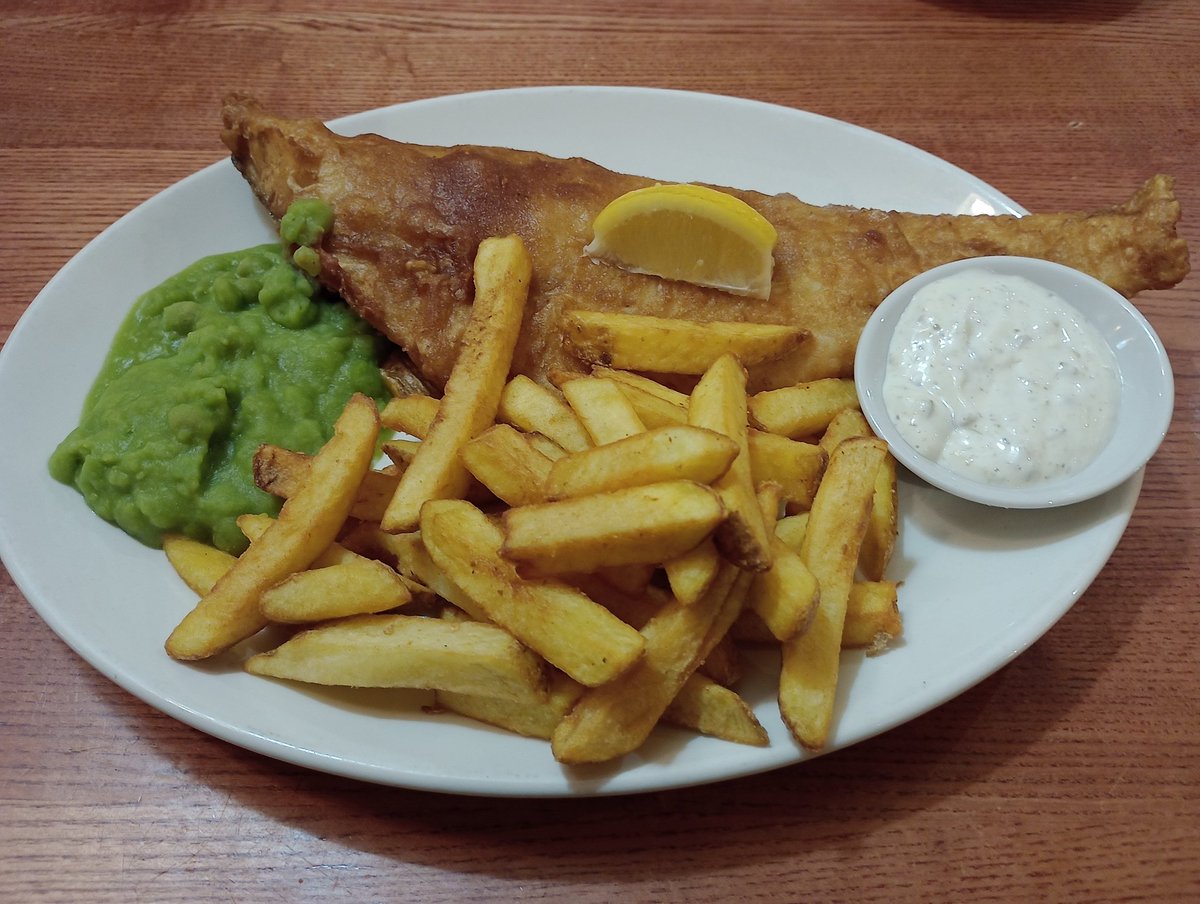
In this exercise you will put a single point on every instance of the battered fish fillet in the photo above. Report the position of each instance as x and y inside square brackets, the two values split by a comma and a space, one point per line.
[408, 218]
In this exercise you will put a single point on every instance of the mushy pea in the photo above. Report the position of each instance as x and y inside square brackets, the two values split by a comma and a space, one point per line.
[237, 350]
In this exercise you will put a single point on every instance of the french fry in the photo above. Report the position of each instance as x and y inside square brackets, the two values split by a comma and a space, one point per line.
[880, 540]
[534, 408]
[785, 595]
[506, 462]
[796, 466]
[653, 407]
[678, 452]
[635, 609]
[609, 415]
[718, 403]
[413, 560]
[872, 616]
[847, 423]
[307, 524]
[712, 709]
[545, 445]
[357, 587]
[255, 526]
[407, 651]
[837, 524]
[615, 718]
[632, 526]
[790, 529]
[701, 705]
[627, 379]
[548, 616]
[691, 574]
[802, 410]
[531, 718]
[502, 273]
[665, 345]
[198, 564]
[411, 414]
[280, 472]
[336, 554]
[723, 664]
[605, 412]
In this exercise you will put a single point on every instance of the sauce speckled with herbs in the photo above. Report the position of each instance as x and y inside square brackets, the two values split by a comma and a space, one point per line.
[1000, 380]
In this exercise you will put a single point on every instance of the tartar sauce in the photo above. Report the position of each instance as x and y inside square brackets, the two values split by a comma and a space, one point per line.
[1000, 380]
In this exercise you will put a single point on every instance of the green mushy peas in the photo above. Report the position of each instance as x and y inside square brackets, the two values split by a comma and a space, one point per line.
[237, 350]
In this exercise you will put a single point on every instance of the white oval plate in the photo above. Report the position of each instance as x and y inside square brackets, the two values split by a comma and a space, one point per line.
[979, 585]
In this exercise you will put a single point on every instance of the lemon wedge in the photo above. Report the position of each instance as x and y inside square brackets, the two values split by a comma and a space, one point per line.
[690, 233]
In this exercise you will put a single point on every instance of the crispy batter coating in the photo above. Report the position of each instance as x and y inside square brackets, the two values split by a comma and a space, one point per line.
[408, 218]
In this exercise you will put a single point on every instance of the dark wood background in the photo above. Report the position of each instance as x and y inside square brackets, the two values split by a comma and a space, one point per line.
[1070, 775]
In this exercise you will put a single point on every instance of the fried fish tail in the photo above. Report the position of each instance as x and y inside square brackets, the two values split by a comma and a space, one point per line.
[408, 219]
[1131, 247]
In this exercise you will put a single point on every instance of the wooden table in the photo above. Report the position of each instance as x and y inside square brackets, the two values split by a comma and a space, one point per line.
[1072, 774]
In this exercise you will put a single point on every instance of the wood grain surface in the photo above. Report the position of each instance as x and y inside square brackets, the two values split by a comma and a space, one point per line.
[1071, 775]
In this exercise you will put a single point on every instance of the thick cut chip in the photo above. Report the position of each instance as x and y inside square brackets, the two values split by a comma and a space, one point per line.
[872, 616]
[568, 629]
[785, 595]
[468, 406]
[254, 526]
[836, 525]
[791, 528]
[691, 574]
[723, 664]
[802, 410]
[664, 345]
[795, 466]
[413, 561]
[625, 378]
[615, 718]
[712, 709]
[199, 564]
[656, 405]
[534, 408]
[506, 462]
[359, 586]
[639, 525]
[307, 524]
[880, 540]
[531, 718]
[677, 452]
[605, 412]
[653, 410]
[411, 414]
[846, 424]
[719, 403]
[281, 472]
[408, 651]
